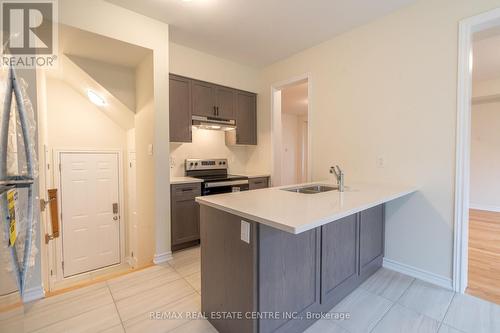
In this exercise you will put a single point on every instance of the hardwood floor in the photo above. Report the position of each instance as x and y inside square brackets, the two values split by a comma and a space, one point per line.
[484, 255]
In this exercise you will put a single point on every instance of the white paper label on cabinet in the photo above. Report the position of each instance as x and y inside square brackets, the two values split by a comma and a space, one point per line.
[245, 231]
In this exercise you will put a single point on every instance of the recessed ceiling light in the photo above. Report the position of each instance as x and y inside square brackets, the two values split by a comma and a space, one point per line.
[96, 98]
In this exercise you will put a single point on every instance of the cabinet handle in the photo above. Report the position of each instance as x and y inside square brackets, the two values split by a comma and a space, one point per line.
[215, 110]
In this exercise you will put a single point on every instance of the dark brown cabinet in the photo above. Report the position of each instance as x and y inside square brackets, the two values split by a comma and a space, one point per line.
[371, 234]
[256, 183]
[204, 99]
[279, 272]
[225, 98]
[180, 109]
[190, 97]
[212, 100]
[339, 241]
[185, 215]
[246, 119]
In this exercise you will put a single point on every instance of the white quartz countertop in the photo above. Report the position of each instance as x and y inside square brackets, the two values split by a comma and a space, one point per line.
[184, 180]
[298, 212]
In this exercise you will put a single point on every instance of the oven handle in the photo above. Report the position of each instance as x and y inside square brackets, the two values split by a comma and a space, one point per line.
[226, 183]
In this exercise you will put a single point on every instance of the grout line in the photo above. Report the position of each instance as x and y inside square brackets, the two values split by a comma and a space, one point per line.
[116, 306]
[447, 310]
[65, 319]
[405, 291]
[383, 316]
[162, 305]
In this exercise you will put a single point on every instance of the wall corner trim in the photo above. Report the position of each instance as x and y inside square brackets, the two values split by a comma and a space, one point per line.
[33, 294]
[160, 258]
[418, 273]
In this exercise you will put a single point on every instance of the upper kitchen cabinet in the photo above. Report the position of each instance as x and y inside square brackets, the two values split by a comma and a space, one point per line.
[180, 109]
[226, 102]
[190, 97]
[246, 120]
[212, 100]
[204, 99]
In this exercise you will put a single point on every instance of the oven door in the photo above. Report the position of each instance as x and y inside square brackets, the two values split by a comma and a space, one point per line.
[225, 186]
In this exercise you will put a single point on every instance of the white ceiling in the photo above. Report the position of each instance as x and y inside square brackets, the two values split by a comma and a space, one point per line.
[88, 45]
[259, 32]
[294, 99]
[486, 56]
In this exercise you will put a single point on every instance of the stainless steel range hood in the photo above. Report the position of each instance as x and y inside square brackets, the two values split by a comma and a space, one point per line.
[213, 123]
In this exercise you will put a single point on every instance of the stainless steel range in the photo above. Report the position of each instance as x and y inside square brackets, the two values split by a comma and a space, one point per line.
[215, 177]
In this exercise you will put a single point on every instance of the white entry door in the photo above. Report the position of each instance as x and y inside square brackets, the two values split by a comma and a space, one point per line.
[90, 214]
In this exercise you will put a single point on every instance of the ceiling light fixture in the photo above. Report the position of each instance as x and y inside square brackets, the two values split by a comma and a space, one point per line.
[96, 98]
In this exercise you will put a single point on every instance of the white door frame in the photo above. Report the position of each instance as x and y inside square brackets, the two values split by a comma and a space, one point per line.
[467, 28]
[56, 248]
[276, 127]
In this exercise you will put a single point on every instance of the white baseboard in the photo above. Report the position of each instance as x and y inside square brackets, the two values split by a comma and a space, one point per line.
[160, 258]
[418, 273]
[33, 294]
[489, 208]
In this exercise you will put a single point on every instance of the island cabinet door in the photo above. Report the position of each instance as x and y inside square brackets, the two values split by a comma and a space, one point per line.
[289, 268]
[339, 259]
[371, 235]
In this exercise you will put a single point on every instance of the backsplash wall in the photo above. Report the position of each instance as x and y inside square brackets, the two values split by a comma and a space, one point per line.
[208, 144]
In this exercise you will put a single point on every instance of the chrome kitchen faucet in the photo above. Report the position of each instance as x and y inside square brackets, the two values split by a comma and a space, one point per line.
[339, 174]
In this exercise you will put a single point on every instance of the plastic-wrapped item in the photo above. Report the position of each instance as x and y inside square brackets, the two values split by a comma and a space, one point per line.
[18, 172]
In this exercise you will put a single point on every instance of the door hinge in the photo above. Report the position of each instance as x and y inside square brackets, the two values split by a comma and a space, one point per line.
[132, 254]
[59, 166]
[130, 164]
[63, 264]
[51, 273]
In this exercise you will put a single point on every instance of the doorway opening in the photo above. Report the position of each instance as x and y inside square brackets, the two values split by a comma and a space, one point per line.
[484, 209]
[93, 102]
[291, 135]
[476, 268]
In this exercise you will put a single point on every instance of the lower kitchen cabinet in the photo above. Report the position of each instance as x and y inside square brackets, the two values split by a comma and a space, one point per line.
[339, 245]
[371, 238]
[282, 273]
[256, 183]
[185, 215]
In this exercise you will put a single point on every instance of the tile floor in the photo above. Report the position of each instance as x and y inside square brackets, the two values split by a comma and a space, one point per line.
[387, 302]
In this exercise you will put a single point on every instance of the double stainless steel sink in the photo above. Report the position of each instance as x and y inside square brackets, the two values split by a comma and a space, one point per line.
[312, 189]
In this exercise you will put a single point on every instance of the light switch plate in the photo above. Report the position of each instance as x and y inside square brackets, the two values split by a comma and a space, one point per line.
[245, 231]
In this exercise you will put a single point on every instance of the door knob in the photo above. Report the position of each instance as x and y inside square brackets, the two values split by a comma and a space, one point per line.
[115, 218]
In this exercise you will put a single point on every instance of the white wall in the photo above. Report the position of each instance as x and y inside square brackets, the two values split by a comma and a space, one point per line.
[112, 21]
[206, 67]
[118, 80]
[74, 122]
[388, 89]
[144, 120]
[290, 149]
[210, 144]
[485, 157]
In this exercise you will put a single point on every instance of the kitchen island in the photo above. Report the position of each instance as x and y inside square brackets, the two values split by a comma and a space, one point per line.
[272, 259]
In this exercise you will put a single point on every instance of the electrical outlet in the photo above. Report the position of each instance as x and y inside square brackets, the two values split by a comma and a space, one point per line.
[245, 231]
[150, 149]
[172, 162]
